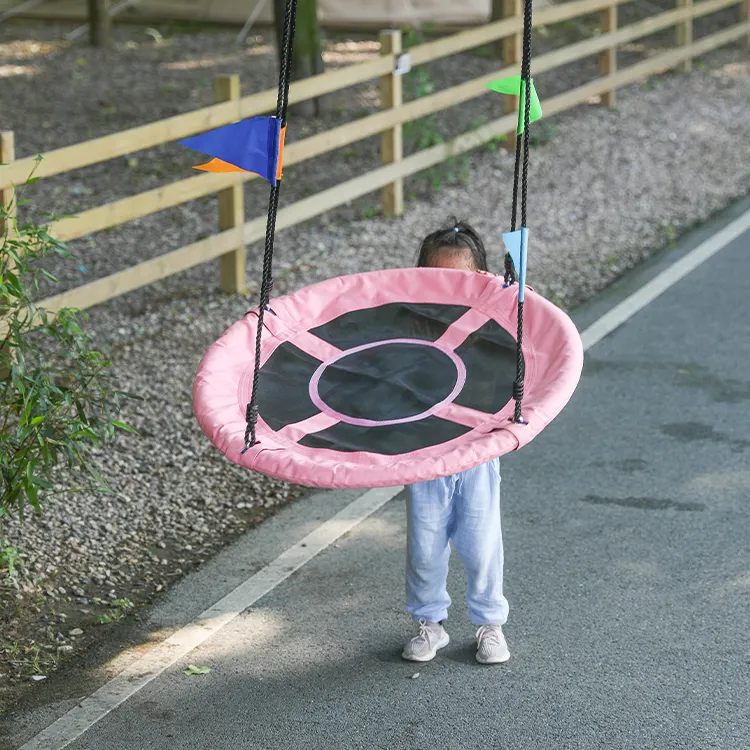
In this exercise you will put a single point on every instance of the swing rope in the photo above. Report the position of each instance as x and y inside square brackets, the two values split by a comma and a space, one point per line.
[282, 104]
[522, 167]
[520, 171]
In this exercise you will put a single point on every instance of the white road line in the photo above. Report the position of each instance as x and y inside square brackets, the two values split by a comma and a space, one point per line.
[667, 278]
[79, 719]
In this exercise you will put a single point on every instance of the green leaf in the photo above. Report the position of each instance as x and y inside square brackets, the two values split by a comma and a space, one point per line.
[123, 426]
[27, 411]
[8, 557]
[103, 487]
[49, 276]
[192, 669]
[31, 495]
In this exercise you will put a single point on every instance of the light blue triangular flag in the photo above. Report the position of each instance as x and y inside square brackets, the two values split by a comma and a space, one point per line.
[517, 244]
[512, 242]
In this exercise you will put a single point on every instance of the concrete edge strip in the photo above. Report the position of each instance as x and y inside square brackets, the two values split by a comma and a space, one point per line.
[78, 720]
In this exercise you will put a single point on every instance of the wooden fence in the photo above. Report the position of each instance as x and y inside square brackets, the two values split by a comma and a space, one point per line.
[235, 232]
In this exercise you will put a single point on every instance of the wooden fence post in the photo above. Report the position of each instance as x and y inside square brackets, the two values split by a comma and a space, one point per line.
[608, 58]
[7, 192]
[7, 155]
[685, 35]
[510, 50]
[392, 140]
[232, 275]
[100, 23]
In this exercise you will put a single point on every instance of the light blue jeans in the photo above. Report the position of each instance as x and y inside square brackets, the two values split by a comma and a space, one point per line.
[463, 509]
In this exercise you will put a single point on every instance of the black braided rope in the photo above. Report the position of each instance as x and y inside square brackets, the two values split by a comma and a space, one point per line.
[510, 274]
[526, 78]
[282, 104]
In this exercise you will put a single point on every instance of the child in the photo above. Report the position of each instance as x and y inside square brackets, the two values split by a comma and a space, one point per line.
[463, 508]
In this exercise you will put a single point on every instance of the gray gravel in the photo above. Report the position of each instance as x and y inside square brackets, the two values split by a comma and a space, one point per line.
[607, 190]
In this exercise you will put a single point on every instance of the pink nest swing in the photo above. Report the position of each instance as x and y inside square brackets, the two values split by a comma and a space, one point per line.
[387, 377]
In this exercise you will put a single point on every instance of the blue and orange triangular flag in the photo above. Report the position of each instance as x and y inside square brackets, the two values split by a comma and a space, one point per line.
[253, 145]
[516, 86]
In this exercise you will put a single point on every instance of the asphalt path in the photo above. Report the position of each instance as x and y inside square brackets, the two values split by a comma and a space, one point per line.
[627, 542]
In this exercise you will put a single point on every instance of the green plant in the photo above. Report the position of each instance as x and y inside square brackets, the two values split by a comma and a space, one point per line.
[192, 669]
[57, 394]
[8, 558]
[370, 212]
[424, 133]
[118, 609]
[457, 169]
[155, 34]
[418, 35]
[671, 233]
[542, 134]
[421, 133]
[497, 142]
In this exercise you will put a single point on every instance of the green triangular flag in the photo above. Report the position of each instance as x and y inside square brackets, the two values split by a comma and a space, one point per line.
[515, 86]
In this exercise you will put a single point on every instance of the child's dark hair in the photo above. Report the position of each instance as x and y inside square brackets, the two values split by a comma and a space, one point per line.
[455, 234]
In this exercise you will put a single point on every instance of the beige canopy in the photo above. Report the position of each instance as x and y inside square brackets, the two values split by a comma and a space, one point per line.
[378, 14]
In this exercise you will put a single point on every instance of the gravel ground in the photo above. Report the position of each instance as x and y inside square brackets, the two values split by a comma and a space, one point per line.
[608, 188]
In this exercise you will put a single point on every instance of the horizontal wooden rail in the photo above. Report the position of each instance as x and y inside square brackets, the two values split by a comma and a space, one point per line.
[126, 142]
[211, 247]
[181, 126]
[492, 32]
[191, 188]
[143, 204]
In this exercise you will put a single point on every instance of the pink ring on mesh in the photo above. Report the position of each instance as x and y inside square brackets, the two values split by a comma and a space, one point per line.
[318, 401]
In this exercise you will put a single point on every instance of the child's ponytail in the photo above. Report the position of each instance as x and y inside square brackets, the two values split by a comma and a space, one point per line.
[454, 234]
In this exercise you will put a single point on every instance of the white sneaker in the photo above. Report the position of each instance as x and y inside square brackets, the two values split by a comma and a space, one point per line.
[491, 645]
[426, 643]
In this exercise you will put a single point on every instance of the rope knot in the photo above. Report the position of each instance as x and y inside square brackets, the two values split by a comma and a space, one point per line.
[251, 417]
[251, 414]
